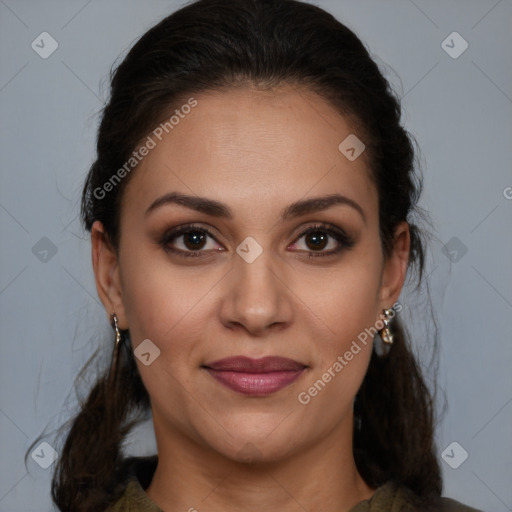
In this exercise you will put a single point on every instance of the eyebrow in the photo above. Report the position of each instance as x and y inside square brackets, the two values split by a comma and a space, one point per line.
[217, 209]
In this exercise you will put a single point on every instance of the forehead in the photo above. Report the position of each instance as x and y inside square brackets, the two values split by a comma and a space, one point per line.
[246, 146]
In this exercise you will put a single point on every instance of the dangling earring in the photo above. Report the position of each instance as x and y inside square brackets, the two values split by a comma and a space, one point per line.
[115, 354]
[385, 333]
[385, 339]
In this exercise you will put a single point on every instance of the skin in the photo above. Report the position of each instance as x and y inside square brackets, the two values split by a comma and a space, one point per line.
[257, 152]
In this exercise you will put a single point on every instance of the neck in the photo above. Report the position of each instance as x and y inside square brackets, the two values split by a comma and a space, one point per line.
[321, 477]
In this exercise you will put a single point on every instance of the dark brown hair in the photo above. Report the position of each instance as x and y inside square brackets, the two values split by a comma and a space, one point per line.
[209, 45]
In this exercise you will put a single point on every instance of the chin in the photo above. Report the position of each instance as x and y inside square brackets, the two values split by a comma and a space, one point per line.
[259, 447]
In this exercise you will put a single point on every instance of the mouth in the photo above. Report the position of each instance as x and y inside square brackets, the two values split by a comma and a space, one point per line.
[255, 377]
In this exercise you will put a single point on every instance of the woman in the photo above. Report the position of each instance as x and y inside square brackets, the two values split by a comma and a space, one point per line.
[250, 215]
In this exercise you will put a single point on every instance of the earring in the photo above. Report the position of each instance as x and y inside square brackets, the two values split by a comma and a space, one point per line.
[385, 333]
[115, 354]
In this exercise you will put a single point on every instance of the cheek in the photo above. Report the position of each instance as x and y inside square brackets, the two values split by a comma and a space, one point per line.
[346, 301]
[168, 305]
[157, 294]
[341, 360]
[344, 297]
[350, 315]
[159, 306]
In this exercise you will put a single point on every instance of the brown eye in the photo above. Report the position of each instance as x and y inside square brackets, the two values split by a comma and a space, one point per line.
[194, 240]
[321, 237]
[189, 241]
[316, 240]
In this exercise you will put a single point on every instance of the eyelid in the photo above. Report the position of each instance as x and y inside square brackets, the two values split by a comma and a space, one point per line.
[322, 226]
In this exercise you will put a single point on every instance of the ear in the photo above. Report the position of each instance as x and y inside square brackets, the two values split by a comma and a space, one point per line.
[106, 272]
[395, 267]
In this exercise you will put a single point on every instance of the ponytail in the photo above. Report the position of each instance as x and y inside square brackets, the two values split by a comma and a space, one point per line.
[91, 469]
[395, 438]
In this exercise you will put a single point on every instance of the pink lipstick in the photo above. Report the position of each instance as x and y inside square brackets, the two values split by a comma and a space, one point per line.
[255, 377]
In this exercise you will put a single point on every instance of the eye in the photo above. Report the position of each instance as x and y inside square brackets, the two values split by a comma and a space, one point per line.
[190, 241]
[322, 236]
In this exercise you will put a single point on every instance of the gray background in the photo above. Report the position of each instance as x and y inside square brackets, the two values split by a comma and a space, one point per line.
[459, 109]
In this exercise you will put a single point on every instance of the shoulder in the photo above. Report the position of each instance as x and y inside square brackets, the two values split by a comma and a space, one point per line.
[392, 497]
[139, 472]
[449, 505]
[134, 499]
[443, 504]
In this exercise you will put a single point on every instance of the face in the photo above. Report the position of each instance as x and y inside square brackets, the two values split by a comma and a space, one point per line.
[265, 272]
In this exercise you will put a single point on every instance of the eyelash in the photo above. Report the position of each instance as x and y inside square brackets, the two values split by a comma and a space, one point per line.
[344, 241]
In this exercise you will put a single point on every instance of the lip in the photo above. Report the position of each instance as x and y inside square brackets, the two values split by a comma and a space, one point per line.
[255, 377]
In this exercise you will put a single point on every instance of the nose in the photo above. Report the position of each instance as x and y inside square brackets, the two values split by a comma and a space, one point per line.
[257, 297]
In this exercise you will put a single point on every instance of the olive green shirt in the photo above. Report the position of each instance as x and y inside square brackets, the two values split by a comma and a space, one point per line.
[388, 498]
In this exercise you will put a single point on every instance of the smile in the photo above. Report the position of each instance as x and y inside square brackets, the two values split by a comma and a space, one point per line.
[256, 384]
[255, 377]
